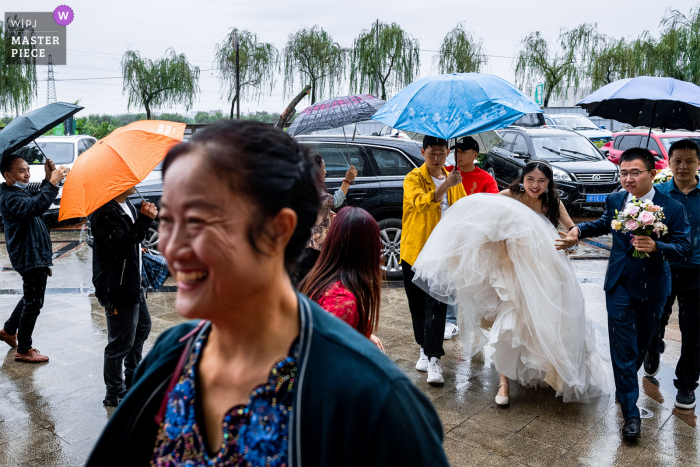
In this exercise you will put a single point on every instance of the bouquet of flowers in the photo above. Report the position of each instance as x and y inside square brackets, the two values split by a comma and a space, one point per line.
[663, 176]
[640, 218]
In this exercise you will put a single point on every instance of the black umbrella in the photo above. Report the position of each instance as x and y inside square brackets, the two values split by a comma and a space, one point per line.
[29, 126]
[648, 101]
[335, 113]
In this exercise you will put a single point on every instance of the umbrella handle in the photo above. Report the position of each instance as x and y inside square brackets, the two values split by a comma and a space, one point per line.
[137, 191]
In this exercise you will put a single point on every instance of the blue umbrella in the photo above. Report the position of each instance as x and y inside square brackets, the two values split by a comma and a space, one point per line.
[458, 104]
[647, 100]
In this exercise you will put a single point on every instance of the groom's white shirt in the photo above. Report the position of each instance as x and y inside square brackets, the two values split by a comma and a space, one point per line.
[649, 196]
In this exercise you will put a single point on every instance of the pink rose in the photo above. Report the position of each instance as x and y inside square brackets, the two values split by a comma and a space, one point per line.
[631, 224]
[653, 208]
[646, 218]
[633, 211]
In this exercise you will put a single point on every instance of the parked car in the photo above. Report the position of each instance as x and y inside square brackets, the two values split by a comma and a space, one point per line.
[62, 150]
[382, 163]
[584, 178]
[659, 144]
[533, 120]
[580, 124]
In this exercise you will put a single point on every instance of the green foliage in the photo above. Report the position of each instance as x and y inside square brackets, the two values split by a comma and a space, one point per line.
[312, 57]
[677, 53]
[460, 52]
[18, 83]
[556, 65]
[97, 127]
[257, 65]
[170, 80]
[600, 144]
[395, 63]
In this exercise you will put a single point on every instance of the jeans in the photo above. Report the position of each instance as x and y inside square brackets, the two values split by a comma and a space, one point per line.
[631, 323]
[451, 314]
[686, 289]
[25, 314]
[428, 315]
[127, 329]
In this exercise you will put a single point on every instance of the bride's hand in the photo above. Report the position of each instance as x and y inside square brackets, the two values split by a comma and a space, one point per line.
[566, 241]
[377, 342]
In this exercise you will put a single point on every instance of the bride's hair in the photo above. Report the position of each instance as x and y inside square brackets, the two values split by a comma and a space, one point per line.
[550, 198]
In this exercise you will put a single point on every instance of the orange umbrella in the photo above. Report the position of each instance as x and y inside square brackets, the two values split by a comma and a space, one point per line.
[116, 163]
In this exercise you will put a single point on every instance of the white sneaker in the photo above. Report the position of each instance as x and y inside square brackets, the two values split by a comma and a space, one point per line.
[434, 372]
[423, 362]
[450, 330]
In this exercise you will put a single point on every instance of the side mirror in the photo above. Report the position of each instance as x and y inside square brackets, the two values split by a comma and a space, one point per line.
[656, 155]
[602, 127]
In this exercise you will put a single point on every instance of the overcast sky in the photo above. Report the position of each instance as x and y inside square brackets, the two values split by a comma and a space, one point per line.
[102, 31]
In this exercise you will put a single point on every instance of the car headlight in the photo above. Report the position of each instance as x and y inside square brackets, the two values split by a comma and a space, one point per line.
[560, 175]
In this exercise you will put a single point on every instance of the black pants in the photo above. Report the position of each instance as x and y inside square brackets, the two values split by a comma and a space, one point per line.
[428, 315]
[25, 314]
[306, 263]
[127, 330]
[686, 289]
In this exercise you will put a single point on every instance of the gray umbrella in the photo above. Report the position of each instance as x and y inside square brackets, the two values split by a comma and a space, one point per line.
[31, 125]
[335, 113]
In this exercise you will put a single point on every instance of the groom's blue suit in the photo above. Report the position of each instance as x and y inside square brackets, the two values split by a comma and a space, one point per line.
[636, 289]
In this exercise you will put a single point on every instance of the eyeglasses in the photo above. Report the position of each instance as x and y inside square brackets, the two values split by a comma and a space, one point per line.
[633, 174]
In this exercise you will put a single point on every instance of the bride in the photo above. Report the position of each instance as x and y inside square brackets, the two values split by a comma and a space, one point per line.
[501, 259]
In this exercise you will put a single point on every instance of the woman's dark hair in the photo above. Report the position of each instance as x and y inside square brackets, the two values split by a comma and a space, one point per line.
[644, 155]
[550, 198]
[320, 176]
[352, 254]
[265, 165]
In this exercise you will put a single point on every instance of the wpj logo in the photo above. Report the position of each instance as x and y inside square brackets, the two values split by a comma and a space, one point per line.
[37, 36]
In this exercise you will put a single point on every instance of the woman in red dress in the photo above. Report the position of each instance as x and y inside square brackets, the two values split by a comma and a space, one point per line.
[346, 280]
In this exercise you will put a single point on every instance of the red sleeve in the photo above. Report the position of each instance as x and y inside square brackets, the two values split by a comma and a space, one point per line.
[490, 186]
[450, 168]
[340, 302]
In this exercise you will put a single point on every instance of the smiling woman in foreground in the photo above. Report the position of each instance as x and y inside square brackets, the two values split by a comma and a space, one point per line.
[268, 377]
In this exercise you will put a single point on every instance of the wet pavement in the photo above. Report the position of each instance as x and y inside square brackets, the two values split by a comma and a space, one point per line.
[51, 414]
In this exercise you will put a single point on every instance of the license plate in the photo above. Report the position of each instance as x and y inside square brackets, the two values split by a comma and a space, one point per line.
[596, 198]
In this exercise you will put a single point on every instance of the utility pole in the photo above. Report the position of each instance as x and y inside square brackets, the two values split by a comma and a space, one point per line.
[238, 76]
[376, 77]
[50, 85]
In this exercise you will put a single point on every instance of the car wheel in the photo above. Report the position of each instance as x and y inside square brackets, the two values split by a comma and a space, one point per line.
[150, 243]
[491, 172]
[390, 236]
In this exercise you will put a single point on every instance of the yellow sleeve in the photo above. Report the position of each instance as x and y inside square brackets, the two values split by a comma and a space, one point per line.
[414, 194]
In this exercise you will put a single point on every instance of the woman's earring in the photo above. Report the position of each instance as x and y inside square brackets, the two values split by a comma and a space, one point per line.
[547, 190]
[522, 187]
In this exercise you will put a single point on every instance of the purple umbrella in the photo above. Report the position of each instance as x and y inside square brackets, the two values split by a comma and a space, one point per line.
[335, 113]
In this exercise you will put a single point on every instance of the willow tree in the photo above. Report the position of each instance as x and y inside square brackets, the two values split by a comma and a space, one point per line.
[312, 57]
[168, 81]
[391, 59]
[460, 52]
[677, 52]
[557, 65]
[18, 83]
[257, 66]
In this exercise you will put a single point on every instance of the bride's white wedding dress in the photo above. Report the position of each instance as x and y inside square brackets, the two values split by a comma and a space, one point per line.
[495, 258]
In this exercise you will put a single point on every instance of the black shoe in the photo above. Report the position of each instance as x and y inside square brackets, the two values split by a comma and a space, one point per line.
[661, 346]
[111, 400]
[632, 428]
[685, 399]
[652, 363]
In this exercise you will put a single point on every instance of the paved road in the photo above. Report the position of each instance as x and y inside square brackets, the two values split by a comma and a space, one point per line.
[51, 414]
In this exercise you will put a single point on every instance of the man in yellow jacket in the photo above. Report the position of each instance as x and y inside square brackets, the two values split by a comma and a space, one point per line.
[427, 193]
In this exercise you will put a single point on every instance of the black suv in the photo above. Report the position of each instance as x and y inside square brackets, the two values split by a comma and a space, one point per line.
[584, 177]
[382, 163]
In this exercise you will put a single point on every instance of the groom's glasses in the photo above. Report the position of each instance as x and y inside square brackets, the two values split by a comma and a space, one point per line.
[633, 173]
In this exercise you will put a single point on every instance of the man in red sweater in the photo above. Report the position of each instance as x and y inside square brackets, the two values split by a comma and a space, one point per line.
[475, 180]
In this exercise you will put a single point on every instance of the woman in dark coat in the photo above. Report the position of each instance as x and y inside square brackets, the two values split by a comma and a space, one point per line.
[266, 377]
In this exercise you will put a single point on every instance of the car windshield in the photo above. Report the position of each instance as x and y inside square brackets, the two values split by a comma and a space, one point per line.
[59, 153]
[668, 141]
[575, 123]
[564, 147]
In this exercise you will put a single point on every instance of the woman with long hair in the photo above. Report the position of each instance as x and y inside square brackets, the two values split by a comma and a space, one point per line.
[325, 216]
[261, 376]
[500, 257]
[346, 280]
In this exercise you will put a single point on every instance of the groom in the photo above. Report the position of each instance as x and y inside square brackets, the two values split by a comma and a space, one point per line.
[636, 289]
